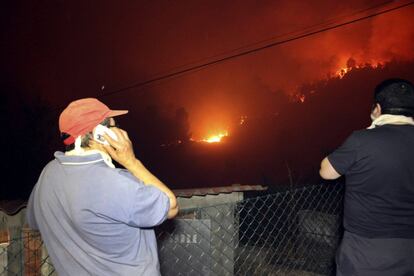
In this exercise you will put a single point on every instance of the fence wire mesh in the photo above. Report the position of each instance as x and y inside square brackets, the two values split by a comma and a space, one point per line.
[294, 232]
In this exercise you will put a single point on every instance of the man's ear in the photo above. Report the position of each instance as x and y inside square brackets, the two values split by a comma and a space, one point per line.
[93, 144]
[379, 110]
[376, 111]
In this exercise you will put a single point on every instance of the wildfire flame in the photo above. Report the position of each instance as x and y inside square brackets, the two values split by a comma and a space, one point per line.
[351, 63]
[342, 72]
[299, 97]
[344, 66]
[216, 138]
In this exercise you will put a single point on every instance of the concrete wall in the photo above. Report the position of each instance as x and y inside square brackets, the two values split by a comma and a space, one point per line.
[214, 219]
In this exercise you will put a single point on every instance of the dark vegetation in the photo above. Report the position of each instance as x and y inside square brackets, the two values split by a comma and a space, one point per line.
[280, 147]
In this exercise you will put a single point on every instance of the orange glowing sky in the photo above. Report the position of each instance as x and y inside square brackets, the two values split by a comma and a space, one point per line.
[265, 108]
[84, 50]
[217, 97]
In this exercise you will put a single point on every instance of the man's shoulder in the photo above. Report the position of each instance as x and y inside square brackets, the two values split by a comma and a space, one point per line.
[51, 166]
[384, 129]
[361, 137]
[366, 133]
[125, 177]
[380, 135]
[116, 173]
[92, 170]
[365, 136]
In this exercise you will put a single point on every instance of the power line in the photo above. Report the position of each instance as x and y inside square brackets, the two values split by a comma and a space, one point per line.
[247, 52]
[328, 22]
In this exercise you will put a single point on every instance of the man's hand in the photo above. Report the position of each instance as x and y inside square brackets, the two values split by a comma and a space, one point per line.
[120, 150]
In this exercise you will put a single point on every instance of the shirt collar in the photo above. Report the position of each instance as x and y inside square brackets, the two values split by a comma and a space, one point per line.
[388, 119]
[83, 158]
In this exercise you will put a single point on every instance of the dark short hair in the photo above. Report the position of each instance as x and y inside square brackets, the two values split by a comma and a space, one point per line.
[395, 96]
[87, 137]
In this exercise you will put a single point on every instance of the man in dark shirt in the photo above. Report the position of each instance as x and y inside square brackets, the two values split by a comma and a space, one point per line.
[378, 164]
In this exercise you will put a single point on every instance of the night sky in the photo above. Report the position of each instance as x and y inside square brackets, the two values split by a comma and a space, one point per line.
[283, 107]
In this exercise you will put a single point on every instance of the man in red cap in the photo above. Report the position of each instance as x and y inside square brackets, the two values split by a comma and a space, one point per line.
[96, 219]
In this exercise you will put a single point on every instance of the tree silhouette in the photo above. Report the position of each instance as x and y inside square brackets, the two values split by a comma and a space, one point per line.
[27, 141]
[181, 125]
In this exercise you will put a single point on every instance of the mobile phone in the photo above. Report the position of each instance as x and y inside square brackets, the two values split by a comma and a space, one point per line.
[98, 134]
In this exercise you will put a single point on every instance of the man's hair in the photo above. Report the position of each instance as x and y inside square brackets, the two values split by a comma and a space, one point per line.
[395, 96]
[87, 137]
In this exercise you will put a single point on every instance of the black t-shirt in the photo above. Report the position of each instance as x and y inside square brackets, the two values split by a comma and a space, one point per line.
[379, 168]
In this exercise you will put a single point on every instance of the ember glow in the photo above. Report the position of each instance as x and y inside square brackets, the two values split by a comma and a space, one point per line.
[222, 102]
[243, 119]
[216, 138]
[351, 63]
[342, 72]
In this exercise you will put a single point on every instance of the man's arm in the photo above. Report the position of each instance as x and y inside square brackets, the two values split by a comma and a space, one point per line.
[30, 217]
[121, 150]
[140, 172]
[327, 171]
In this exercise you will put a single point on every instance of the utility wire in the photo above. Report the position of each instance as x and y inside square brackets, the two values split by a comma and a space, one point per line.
[326, 23]
[247, 52]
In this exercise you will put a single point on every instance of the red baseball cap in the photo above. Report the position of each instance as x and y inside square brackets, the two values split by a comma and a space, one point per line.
[82, 116]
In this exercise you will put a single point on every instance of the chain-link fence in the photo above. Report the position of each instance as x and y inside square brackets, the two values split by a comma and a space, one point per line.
[25, 256]
[294, 232]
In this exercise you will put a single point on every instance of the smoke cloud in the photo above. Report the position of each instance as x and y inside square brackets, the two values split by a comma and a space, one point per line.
[79, 50]
[218, 95]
